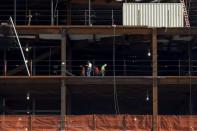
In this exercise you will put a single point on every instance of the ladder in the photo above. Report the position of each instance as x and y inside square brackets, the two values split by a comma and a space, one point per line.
[185, 13]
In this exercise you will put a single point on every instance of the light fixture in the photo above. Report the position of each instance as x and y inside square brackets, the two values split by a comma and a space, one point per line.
[147, 95]
[135, 119]
[149, 54]
[63, 63]
[27, 49]
[28, 96]
[147, 98]
[26, 61]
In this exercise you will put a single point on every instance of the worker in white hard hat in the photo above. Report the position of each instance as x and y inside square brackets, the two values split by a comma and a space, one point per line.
[103, 69]
[89, 68]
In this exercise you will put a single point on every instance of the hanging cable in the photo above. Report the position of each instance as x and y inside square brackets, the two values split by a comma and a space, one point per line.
[189, 4]
[190, 83]
[190, 75]
[26, 12]
[116, 104]
[55, 8]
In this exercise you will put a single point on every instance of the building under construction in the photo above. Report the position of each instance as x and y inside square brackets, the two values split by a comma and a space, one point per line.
[53, 75]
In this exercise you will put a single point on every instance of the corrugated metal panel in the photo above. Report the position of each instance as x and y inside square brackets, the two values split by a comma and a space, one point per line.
[153, 14]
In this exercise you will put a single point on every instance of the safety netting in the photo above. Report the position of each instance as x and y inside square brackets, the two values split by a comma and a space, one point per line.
[98, 122]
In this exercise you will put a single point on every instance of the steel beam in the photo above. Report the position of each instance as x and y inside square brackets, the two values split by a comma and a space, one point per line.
[154, 84]
[104, 30]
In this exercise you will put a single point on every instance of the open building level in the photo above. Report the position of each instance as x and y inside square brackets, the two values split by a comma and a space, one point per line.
[150, 79]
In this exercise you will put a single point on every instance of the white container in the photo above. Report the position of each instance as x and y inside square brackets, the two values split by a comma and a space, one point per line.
[153, 14]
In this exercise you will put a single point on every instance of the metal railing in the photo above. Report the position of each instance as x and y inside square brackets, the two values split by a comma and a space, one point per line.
[64, 17]
[78, 67]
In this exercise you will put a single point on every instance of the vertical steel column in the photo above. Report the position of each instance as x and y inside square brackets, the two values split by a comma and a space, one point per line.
[85, 17]
[5, 61]
[52, 13]
[89, 8]
[125, 68]
[34, 62]
[34, 107]
[112, 17]
[31, 67]
[68, 16]
[57, 18]
[49, 69]
[30, 123]
[155, 84]
[70, 54]
[3, 104]
[5, 67]
[15, 12]
[179, 66]
[63, 85]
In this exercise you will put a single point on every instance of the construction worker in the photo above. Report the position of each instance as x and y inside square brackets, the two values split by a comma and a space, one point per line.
[103, 69]
[89, 68]
[96, 71]
[82, 70]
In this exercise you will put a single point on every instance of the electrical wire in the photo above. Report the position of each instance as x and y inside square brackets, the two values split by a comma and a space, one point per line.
[26, 12]
[190, 83]
[190, 75]
[55, 10]
[189, 5]
[116, 103]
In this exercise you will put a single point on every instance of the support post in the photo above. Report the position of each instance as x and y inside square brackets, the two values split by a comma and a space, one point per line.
[179, 68]
[89, 8]
[68, 17]
[49, 69]
[5, 68]
[57, 17]
[112, 17]
[31, 67]
[34, 107]
[125, 68]
[15, 12]
[52, 13]
[155, 83]
[69, 57]
[33, 62]
[63, 85]
[3, 106]
[85, 17]
[30, 123]
[5, 62]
